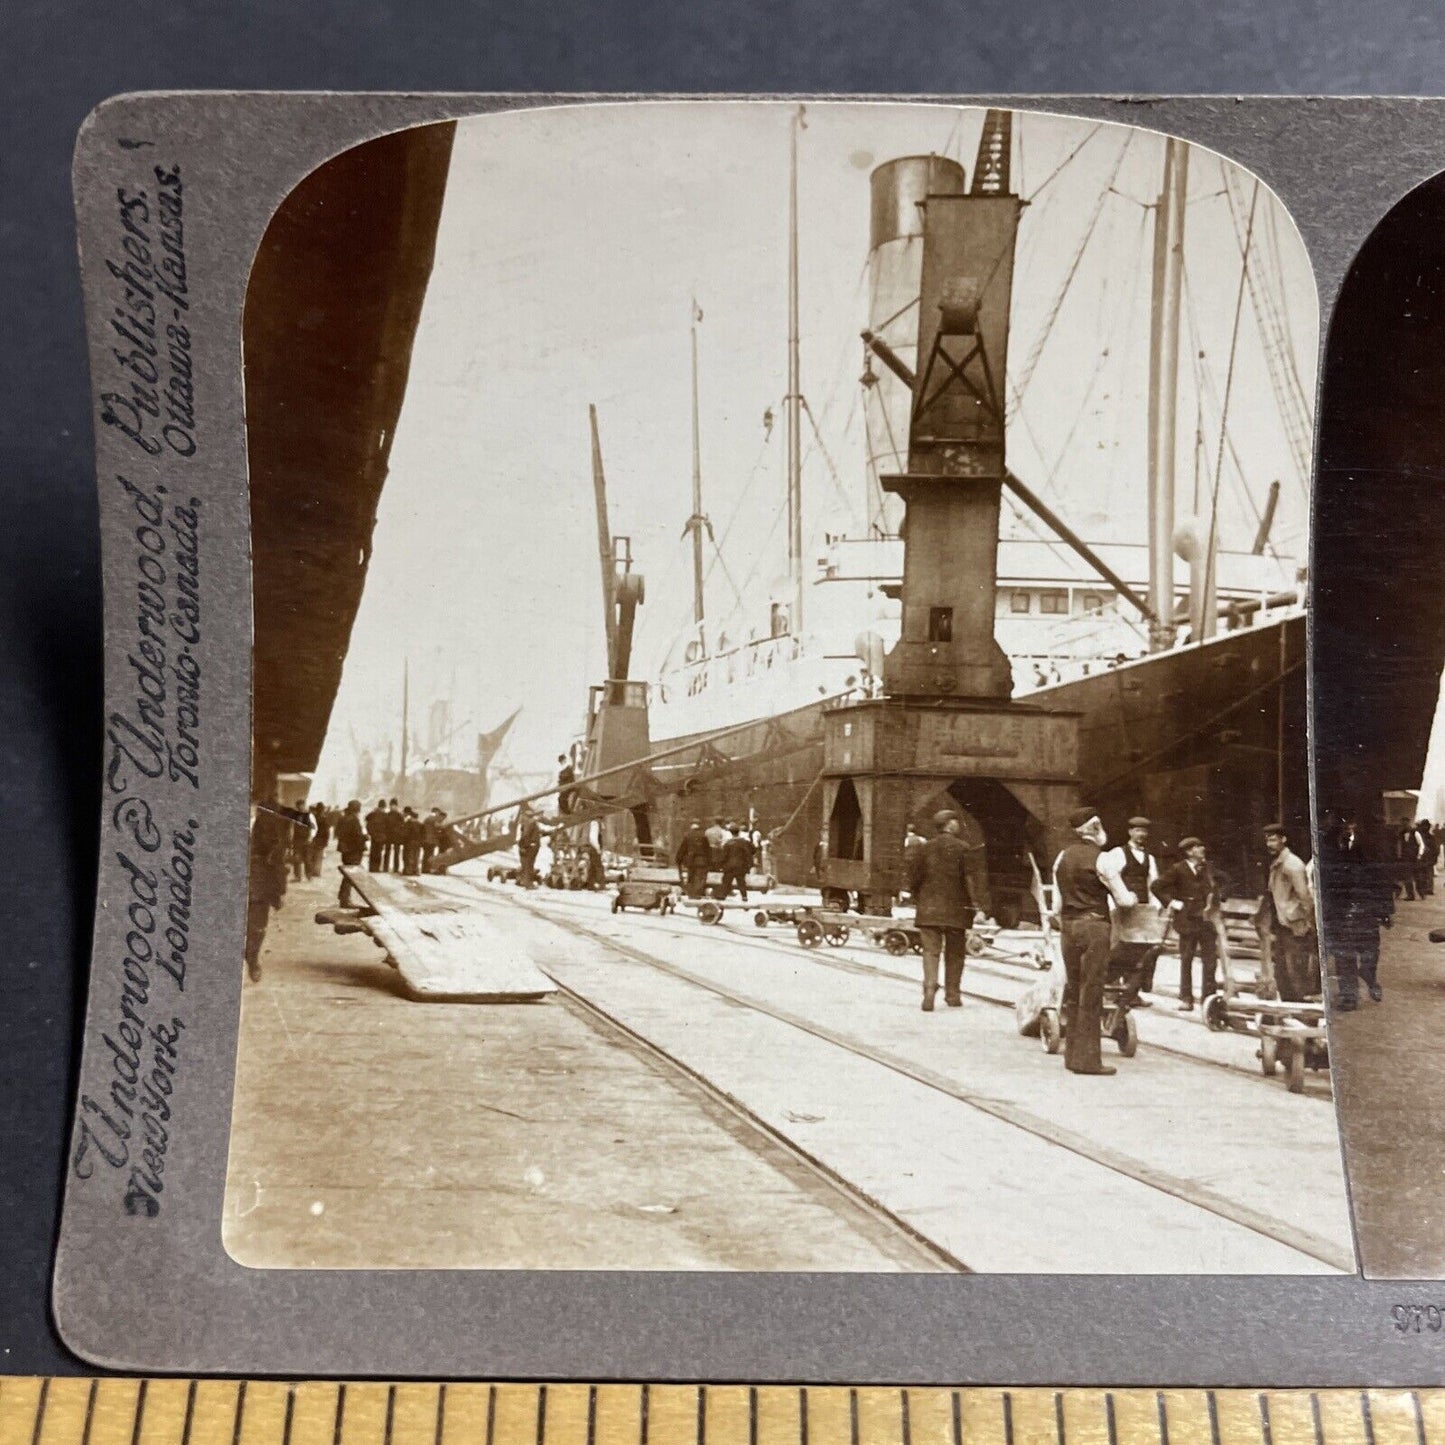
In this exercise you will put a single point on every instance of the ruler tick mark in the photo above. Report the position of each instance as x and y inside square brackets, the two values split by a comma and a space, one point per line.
[1059, 1417]
[1265, 1429]
[642, 1411]
[1110, 1417]
[905, 1418]
[89, 1412]
[752, 1415]
[1318, 1424]
[390, 1414]
[853, 1416]
[1213, 1404]
[340, 1415]
[1162, 1410]
[957, 1418]
[40, 1411]
[140, 1410]
[441, 1424]
[701, 1414]
[802, 1417]
[240, 1414]
[1368, 1417]
[591, 1415]
[1008, 1418]
[290, 1414]
[1419, 1417]
[190, 1412]
[541, 1414]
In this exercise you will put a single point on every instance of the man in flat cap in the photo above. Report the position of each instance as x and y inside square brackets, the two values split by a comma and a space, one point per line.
[1083, 900]
[937, 878]
[1290, 905]
[1190, 891]
[1131, 871]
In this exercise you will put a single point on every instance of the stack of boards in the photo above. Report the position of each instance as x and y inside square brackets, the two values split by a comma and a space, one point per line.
[444, 949]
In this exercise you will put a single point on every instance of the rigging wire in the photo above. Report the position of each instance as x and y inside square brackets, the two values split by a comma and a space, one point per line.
[1209, 578]
[1036, 350]
[1048, 180]
[1205, 394]
[1284, 379]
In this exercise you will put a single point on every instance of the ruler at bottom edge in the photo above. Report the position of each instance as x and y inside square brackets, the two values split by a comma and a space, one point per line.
[116, 1411]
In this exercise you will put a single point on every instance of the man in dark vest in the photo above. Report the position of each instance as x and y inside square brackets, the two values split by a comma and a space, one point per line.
[735, 862]
[937, 878]
[1083, 900]
[1130, 872]
[694, 858]
[1190, 891]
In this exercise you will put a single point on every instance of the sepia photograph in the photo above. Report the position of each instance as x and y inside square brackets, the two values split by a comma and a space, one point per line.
[780, 707]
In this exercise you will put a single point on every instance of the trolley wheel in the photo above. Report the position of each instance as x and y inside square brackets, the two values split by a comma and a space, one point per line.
[1295, 1069]
[1051, 1033]
[1268, 1055]
[1216, 1019]
[1126, 1035]
[810, 932]
[974, 944]
[895, 941]
[617, 903]
[709, 912]
[837, 935]
[760, 919]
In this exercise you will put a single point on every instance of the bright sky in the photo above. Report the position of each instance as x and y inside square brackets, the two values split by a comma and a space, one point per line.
[570, 246]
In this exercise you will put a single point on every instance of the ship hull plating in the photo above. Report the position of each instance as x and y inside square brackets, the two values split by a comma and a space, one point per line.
[1208, 740]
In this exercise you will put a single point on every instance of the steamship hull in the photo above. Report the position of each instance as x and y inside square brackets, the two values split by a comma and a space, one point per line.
[1207, 739]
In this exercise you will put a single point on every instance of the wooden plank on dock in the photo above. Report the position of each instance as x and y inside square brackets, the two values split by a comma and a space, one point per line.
[445, 947]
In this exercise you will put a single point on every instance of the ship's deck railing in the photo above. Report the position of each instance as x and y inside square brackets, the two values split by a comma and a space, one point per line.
[728, 667]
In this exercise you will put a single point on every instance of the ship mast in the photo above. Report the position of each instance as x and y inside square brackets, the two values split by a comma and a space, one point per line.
[1168, 277]
[795, 392]
[695, 522]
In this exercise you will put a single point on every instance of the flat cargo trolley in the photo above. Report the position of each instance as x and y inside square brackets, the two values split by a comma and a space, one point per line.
[897, 936]
[763, 910]
[1291, 1032]
[653, 890]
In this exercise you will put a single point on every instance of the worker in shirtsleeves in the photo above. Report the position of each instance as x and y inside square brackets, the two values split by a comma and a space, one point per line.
[1137, 923]
[1083, 902]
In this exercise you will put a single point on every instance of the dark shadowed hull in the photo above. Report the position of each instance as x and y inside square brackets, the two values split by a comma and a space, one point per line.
[1209, 740]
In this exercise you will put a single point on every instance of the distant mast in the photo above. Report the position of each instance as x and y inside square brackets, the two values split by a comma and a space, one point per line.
[795, 393]
[1168, 277]
[695, 522]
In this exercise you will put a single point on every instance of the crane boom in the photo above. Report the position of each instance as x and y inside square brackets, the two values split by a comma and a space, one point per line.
[604, 547]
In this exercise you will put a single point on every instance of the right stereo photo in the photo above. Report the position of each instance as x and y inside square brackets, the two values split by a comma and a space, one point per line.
[1379, 730]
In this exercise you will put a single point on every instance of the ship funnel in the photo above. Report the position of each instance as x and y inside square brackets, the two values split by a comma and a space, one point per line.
[899, 189]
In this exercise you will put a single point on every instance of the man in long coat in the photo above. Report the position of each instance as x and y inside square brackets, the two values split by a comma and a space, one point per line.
[937, 877]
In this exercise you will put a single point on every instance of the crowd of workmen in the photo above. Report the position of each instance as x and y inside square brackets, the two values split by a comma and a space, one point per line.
[1115, 908]
[289, 843]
